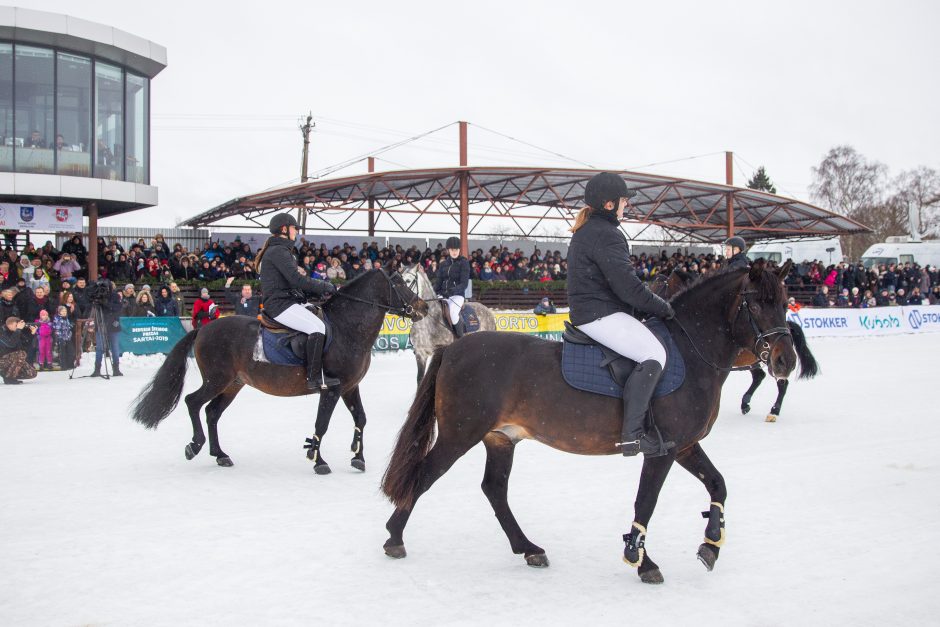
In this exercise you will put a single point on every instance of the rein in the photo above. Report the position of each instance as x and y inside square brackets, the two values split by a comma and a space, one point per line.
[761, 351]
[406, 310]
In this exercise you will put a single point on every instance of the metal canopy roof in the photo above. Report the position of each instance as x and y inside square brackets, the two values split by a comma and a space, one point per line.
[401, 199]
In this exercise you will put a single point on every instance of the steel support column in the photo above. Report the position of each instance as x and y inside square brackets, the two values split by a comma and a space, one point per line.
[371, 202]
[92, 208]
[464, 194]
[729, 180]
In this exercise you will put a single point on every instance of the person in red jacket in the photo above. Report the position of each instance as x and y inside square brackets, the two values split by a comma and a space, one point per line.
[204, 310]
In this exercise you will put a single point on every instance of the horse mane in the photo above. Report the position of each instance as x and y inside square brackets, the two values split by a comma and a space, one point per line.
[767, 284]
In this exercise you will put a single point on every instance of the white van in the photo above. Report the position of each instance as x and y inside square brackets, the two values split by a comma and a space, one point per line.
[900, 250]
[828, 251]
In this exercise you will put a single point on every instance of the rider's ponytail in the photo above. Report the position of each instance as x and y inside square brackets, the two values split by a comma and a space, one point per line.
[582, 218]
[261, 254]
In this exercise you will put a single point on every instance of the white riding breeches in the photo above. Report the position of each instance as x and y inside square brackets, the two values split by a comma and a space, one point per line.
[627, 336]
[302, 319]
[454, 305]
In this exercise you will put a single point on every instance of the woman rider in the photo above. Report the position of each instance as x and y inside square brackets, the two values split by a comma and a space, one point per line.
[284, 288]
[603, 291]
[735, 249]
[453, 275]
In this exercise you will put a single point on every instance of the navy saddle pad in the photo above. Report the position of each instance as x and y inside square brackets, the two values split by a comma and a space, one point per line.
[581, 366]
[470, 320]
[290, 349]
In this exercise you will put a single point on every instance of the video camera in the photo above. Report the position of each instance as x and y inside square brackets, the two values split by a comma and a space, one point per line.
[100, 292]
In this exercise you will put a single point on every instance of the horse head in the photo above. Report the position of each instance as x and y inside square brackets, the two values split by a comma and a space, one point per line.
[759, 321]
[418, 282]
[387, 291]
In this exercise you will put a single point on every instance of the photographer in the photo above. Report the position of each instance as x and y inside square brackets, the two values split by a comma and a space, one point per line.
[106, 311]
[15, 338]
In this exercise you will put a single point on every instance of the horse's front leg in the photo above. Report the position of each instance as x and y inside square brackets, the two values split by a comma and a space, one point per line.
[757, 375]
[696, 462]
[652, 477]
[354, 405]
[781, 392]
[328, 400]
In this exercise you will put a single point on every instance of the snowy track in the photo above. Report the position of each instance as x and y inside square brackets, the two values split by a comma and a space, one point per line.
[832, 512]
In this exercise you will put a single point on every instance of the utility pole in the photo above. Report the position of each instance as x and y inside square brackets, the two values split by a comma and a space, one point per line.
[305, 131]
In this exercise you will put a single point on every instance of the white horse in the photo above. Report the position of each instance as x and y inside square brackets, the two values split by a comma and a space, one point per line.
[432, 331]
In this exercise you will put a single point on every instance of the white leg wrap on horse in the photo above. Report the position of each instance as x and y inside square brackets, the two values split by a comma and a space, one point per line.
[454, 304]
[627, 336]
[302, 319]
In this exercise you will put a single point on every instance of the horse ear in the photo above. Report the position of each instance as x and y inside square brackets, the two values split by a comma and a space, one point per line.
[785, 270]
[757, 268]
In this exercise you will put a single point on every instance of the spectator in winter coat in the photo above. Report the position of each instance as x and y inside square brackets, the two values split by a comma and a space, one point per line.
[165, 305]
[143, 307]
[821, 299]
[66, 266]
[15, 338]
[243, 303]
[204, 310]
[62, 333]
[8, 306]
[915, 298]
[901, 297]
[842, 300]
[44, 333]
[545, 306]
[180, 301]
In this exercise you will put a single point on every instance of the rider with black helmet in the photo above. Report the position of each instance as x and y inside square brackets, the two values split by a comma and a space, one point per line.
[604, 291]
[453, 276]
[284, 288]
[735, 247]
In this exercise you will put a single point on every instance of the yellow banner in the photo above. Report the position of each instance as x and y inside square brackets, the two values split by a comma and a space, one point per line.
[513, 322]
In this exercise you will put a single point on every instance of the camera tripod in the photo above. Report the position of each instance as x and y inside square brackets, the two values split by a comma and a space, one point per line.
[102, 336]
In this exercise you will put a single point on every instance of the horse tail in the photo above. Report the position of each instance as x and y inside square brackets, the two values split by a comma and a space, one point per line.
[809, 368]
[162, 394]
[403, 478]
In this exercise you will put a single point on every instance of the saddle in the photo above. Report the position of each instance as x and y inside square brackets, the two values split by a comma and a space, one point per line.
[471, 321]
[592, 367]
[286, 346]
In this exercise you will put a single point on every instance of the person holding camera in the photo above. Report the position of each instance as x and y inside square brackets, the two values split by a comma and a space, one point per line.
[15, 339]
[106, 310]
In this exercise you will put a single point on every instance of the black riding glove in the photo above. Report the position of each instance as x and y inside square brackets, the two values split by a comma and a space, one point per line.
[328, 289]
[665, 311]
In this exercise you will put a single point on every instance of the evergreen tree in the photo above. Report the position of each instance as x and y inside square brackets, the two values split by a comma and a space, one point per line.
[760, 181]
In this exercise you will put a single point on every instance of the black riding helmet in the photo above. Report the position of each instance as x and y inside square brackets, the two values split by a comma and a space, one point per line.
[280, 221]
[452, 243]
[603, 187]
[736, 242]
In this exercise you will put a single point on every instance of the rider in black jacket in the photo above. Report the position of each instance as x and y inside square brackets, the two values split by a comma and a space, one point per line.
[735, 247]
[604, 291]
[453, 275]
[285, 288]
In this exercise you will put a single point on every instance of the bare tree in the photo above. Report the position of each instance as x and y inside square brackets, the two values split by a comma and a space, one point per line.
[919, 191]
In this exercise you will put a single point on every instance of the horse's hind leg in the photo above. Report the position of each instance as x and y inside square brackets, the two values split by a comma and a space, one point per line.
[652, 477]
[213, 413]
[781, 392]
[328, 400]
[499, 453]
[194, 403]
[757, 375]
[696, 462]
[354, 405]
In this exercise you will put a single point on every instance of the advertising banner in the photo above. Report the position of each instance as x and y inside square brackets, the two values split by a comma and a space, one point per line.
[144, 336]
[40, 218]
[395, 331]
[867, 322]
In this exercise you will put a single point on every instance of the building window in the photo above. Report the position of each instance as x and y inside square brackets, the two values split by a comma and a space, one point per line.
[73, 115]
[33, 110]
[109, 122]
[6, 108]
[137, 112]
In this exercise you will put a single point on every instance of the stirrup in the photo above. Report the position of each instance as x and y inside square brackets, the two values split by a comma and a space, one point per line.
[651, 444]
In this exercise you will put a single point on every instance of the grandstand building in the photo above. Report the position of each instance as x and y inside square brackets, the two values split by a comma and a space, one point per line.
[74, 122]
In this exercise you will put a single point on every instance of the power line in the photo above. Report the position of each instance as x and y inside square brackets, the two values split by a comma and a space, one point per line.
[525, 143]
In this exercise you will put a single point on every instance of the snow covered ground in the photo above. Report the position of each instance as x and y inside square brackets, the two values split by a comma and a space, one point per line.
[832, 513]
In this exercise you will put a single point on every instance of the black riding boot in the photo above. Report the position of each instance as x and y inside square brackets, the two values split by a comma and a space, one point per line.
[316, 380]
[637, 392]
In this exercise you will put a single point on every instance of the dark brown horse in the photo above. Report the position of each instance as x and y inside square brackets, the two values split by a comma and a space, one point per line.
[667, 285]
[715, 319]
[224, 352]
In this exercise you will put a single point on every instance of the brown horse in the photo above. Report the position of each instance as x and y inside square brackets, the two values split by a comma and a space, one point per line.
[715, 319]
[225, 349]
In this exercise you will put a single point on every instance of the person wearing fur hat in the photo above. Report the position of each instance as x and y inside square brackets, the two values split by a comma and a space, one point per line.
[604, 291]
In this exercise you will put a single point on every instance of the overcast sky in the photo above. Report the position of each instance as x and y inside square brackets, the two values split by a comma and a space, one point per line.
[614, 84]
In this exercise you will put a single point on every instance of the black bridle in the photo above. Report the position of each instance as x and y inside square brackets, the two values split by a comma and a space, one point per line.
[406, 309]
[762, 347]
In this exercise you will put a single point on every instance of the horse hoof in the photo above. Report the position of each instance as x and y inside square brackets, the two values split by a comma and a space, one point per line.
[225, 462]
[653, 576]
[745, 408]
[707, 556]
[322, 469]
[358, 464]
[771, 418]
[537, 560]
[396, 551]
[190, 451]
